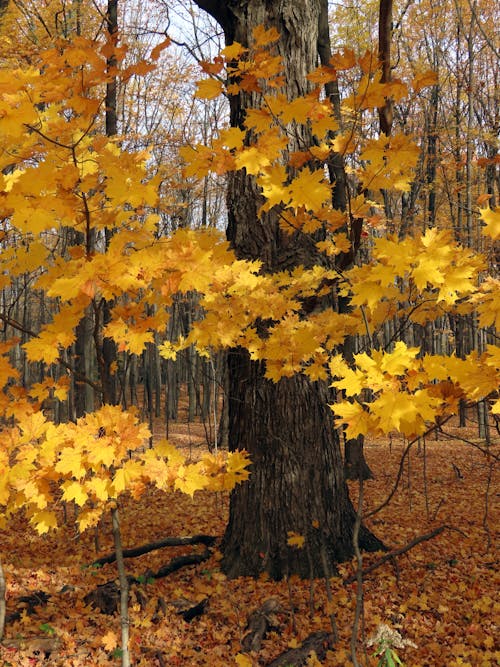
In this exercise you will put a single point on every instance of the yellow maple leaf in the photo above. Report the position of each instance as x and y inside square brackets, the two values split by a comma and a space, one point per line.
[61, 388]
[353, 416]
[99, 487]
[243, 660]
[322, 75]
[208, 89]
[344, 59]
[167, 350]
[42, 348]
[157, 471]
[352, 382]
[232, 137]
[252, 159]
[70, 462]
[272, 181]
[155, 53]
[233, 51]
[238, 461]
[89, 517]
[109, 641]
[33, 426]
[43, 521]
[170, 452]
[399, 360]
[295, 539]
[130, 472]
[258, 119]
[74, 491]
[491, 218]
[423, 79]
[403, 412]
[309, 190]
[344, 143]
[101, 452]
[263, 37]
[190, 479]
[487, 301]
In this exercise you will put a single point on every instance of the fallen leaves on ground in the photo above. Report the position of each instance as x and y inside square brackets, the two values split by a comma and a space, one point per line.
[440, 595]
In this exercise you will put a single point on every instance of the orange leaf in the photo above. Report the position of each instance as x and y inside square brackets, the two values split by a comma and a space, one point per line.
[109, 641]
[155, 53]
[262, 37]
[424, 79]
[208, 89]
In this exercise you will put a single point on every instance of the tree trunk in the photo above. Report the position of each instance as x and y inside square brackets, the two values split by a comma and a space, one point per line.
[296, 482]
[355, 465]
[297, 479]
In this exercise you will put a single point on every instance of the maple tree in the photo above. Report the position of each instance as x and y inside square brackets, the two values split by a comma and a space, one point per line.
[83, 174]
[296, 205]
[81, 223]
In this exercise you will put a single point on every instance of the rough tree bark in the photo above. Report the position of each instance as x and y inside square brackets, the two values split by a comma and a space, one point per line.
[297, 478]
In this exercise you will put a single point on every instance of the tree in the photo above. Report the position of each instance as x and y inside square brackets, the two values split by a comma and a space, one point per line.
[297, 481]
[278, 300]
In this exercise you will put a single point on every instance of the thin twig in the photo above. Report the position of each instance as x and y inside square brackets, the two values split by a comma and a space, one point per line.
[401, 469]
[358, 576]
[486, 506]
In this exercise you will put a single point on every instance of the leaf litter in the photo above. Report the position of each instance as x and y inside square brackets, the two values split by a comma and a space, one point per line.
[439, 597]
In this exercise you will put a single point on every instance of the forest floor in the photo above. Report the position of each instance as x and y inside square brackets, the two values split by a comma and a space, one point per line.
[441, 594]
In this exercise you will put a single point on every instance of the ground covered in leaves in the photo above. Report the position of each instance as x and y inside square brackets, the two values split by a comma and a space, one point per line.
[441, 594]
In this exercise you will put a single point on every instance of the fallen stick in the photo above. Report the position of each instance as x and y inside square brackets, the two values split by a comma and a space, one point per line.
[106, 596]
[207, 540]
[397, 552]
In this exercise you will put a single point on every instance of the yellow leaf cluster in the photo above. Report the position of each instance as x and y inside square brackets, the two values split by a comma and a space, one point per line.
[409, 391]
[94, 461]
[66, 176]
[491, 218]
[390, 163]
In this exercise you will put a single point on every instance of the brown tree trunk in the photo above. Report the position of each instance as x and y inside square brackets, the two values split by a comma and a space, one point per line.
[384, 54]
[297, 479]
[296, 482]
[355, 465]
[108, 354]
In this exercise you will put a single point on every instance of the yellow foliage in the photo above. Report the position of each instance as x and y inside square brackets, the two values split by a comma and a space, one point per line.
[295, 539]
[66, 175]
[491, 218]
[208, 89]
[309, 190]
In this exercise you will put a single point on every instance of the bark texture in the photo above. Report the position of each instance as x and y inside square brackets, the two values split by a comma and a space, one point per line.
[297, 479]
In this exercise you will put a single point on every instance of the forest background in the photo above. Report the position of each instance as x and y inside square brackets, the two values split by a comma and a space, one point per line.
[128, 136]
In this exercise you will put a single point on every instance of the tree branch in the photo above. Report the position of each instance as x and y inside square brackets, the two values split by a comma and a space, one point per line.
[207, 540]
[397, 552]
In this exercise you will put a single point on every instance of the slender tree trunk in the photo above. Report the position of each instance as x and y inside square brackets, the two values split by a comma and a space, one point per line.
[108, 365]
[124, 589]
[3, 604]
[297, 479]
[432, 139]
[384, 54]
